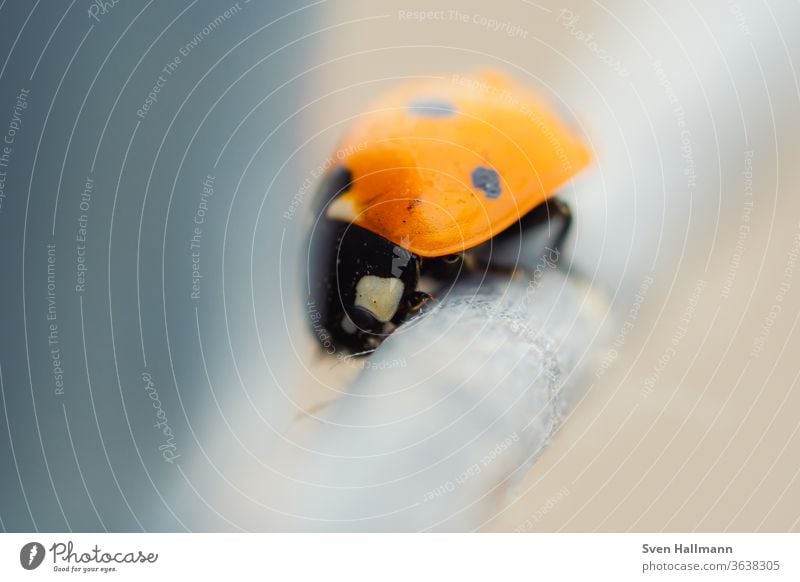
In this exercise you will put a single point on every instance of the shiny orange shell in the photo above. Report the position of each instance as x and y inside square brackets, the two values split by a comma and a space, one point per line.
[439, 166]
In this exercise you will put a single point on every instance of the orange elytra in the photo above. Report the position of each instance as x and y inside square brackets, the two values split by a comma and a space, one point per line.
[439, 166]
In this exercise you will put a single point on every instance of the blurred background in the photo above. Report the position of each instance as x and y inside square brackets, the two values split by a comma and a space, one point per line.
[155, 181]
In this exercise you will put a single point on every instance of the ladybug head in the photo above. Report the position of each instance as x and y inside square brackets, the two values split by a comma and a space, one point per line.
[363, 286]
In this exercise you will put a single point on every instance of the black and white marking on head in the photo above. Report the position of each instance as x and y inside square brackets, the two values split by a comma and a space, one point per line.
[379, 295]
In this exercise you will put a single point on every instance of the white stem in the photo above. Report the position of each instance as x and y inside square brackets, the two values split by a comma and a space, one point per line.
[453, 409]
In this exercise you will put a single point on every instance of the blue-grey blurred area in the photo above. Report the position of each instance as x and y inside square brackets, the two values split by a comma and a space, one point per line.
[145, 143]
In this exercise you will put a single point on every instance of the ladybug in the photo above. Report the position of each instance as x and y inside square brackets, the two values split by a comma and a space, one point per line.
[438, 179]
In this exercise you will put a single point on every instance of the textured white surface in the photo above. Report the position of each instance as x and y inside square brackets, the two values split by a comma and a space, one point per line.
[452, 410]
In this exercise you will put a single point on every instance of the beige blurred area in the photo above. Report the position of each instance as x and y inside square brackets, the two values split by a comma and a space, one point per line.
[689, 219]
[695, 426]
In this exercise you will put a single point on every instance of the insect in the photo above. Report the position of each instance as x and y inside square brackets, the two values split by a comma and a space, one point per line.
[436, 180]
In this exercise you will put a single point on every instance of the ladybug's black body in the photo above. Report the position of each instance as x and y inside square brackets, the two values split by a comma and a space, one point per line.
[362, 286]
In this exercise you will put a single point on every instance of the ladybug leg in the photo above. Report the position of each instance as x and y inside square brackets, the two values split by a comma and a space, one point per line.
[537, 239]
[411, 305]
[559, 213]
